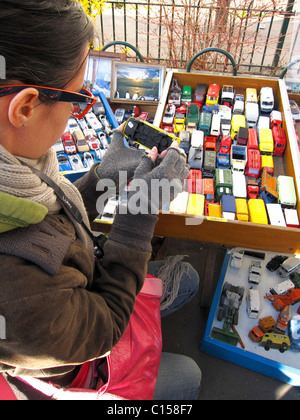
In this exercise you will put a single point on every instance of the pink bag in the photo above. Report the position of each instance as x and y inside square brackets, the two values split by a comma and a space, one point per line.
[132, 364]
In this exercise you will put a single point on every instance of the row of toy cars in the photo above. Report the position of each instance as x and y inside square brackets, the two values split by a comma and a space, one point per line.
[84, 141]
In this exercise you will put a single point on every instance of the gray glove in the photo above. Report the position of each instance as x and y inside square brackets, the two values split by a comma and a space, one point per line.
[119, 158]
[153, 187]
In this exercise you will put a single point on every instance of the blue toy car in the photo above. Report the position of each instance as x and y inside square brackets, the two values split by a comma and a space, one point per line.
[64, 164]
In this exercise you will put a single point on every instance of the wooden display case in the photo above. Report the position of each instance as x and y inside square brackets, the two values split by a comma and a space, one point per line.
[232, 232]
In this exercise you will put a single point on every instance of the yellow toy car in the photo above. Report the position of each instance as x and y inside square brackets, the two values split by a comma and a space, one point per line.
[275, 341]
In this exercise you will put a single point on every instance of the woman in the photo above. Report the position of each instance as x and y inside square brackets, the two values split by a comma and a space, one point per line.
[61, 309]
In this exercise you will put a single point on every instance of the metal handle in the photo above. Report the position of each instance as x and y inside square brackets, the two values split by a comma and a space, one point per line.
[288, 66]
[216, 50]
[126, 44]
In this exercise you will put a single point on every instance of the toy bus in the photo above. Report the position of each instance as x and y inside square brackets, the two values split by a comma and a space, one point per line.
[266, 143]
[257, 211]
[252, 139]
[279, 140]
[286, 191]
[213, 93]
[253, 165]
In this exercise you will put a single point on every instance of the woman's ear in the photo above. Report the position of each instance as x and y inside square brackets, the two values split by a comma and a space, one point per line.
[21, 107]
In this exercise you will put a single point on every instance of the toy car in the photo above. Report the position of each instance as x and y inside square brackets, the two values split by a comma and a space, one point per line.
[225, 144]
[169, 115]
[275, 341]
[147, 135]
[120, 115]
[236, 260]
[76, 162]
[93, 121]
[64, 164]
[295, 110]
[93, 143]
[58, 146]
[68, 143]
[88, 160]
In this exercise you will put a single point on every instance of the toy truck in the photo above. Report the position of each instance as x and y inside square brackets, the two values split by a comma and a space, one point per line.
[267, 324]
[196, 150]
[227, 95]
[239, 101]
[225, 115]
[223, 181]
[276, 118]
[268, 187]
[267, 163]
[209, 164]
[231, 296]
[186, 96]
[283, 319]
[199, 95]
[288, 267]
[175, 93]
[252, 189]
[254, 272]
[237, 121]
[213, 93]
[193, 114]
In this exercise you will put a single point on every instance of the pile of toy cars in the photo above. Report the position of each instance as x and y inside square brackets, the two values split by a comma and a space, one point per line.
[231, 138]
[84, 141]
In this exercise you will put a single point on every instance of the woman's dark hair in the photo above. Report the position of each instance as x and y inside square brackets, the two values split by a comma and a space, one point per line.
[43, 41]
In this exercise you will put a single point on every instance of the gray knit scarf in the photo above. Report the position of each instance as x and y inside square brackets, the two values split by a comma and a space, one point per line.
[18, 180]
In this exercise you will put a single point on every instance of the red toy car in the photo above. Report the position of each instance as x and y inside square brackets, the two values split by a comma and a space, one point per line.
[69, 143]
[225, 144]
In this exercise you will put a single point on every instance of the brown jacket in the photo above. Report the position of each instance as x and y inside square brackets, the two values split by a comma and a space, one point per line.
[58, 317]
